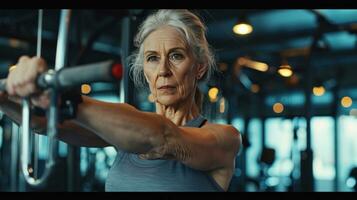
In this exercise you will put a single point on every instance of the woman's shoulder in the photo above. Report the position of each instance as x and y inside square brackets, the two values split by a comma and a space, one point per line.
[228, 134]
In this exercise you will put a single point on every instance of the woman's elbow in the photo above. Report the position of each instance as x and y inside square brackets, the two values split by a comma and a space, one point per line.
[236, 141]
[239, 142]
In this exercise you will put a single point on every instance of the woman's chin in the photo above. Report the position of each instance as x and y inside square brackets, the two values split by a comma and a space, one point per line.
[167, 100]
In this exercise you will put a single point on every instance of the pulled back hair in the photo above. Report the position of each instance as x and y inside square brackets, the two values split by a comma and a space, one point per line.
[193, 32]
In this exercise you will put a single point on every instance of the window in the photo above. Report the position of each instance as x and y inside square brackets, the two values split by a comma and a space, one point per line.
[348, 149]
[255, 139]
[322, 143]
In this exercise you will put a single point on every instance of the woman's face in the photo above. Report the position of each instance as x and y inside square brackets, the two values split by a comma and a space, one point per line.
[169, 66]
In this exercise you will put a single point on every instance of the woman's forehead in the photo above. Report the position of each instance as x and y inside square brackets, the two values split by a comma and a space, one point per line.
[164, 38]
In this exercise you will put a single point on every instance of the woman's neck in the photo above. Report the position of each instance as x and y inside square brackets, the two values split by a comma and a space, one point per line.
[179, 114]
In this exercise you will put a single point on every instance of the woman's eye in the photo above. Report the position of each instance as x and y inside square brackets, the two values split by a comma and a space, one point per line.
[151, 59]
[176, 56]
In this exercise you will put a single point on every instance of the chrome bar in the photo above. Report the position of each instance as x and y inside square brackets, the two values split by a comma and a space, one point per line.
[52, 112]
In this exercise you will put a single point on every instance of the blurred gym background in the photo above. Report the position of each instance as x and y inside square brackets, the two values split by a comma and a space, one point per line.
[287, 81]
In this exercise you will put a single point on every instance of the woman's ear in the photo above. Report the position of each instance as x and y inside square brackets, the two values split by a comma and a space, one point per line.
[201, 70]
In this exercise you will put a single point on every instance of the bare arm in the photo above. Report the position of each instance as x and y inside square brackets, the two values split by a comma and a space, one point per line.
[211, 147]
[156, 137]
[121, 124]
[127, 128]
[99, 124]
[208, 148]
[21, 83]
[68, 132]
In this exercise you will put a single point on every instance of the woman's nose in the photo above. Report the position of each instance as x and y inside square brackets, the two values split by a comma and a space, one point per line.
[164, 70]
[165, 73]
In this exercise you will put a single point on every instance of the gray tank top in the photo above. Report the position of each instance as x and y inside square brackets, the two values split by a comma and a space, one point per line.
[130, 173]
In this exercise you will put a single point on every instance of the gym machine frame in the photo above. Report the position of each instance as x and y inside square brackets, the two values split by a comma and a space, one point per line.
[57, 80]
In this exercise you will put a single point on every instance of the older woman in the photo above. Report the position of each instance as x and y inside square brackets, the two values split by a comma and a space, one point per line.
[174, 149]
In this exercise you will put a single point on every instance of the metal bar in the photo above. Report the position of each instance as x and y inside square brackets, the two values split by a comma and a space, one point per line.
[307, 176]
[52, 112]
[25, 152]
[14, 157]
[62, 41]
[126, 86]
[104, 71]
[39, 33]
[38, 54]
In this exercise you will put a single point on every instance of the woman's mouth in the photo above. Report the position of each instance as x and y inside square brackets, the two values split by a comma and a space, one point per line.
[166, 87]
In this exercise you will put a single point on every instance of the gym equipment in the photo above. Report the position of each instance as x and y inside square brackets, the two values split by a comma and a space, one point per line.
[57, 80]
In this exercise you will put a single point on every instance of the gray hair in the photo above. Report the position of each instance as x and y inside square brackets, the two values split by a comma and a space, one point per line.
[188, 24]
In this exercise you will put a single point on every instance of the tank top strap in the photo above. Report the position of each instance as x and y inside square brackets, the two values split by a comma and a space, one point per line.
[196, 122]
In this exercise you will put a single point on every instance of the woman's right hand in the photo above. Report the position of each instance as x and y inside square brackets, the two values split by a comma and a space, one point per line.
[21, 81]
